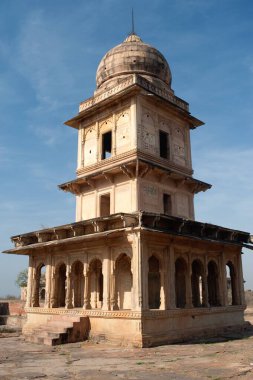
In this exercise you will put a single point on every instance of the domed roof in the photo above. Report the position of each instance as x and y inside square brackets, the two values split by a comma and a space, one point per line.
[133, 56]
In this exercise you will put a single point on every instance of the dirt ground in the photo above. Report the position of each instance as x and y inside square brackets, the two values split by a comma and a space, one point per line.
[230, 358]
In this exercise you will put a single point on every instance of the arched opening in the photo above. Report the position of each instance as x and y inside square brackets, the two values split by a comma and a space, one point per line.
[96, 284]
[197, 283]
[213, 284]
[123, 282]
[77, 283]
[154, 283]
[180, 282]
[231, 284]
[61, 285]
[40, 283]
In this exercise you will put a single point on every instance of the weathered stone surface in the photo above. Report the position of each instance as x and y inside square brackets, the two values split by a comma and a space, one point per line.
[223, 358]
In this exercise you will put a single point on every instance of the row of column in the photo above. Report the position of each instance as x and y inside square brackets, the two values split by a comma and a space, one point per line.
[171, 285]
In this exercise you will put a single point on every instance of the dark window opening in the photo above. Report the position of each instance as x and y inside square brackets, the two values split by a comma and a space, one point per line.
[105, 205]
[213, 284]
[164, 146]
[154, 283]
[167, 204]
[180, 282]
[106, 145]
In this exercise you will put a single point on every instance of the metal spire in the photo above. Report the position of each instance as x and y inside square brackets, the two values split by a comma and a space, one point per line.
[133, 32]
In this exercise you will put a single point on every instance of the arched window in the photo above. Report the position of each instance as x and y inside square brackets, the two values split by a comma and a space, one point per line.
[123, 282]
[77, 283]
[61, 285]
[197, 283]
[96, 284]
[231, 283]
[154, 283]
[180, 282]
[213, 284]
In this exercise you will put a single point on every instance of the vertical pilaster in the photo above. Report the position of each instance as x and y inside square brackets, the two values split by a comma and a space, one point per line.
[139, 273]
[98, 143]
[133, 121]
[114, 150]
[79, 147]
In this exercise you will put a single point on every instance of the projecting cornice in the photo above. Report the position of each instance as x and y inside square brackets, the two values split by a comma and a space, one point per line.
[134, 169]
[121, 223]
[133, 84]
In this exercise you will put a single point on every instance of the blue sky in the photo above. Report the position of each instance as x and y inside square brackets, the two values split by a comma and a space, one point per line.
[49, 53]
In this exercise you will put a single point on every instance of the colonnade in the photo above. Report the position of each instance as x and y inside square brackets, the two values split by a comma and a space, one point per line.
[81, 285]
[187, 284]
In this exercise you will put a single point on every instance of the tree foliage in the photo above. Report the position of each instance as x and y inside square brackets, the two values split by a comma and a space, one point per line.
[22, 278]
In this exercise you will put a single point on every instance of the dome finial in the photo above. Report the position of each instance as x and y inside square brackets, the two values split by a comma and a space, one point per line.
[132, 36]
[133, 32]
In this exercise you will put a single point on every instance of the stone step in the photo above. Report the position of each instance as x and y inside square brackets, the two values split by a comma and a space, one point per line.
[58, 324]
[60, 330]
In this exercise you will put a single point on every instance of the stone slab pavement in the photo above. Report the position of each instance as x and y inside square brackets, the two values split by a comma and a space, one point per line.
[224, 358]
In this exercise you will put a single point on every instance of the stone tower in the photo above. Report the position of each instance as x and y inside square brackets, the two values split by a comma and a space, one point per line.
[134, 149]
[135, 265]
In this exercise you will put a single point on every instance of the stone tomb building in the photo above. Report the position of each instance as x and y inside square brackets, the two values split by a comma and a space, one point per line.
[135, 267]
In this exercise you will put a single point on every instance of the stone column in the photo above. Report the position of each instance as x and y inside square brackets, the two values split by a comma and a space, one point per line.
[171, 271]
[219, 285]
[68, 301]
[224, 288]
[48, 283]
[106, 282]
[54, 282]
[29, 283]
[205, 285]
[189, 284]
[86, 298]
[35, 288]
[113, 304]
[240, 281]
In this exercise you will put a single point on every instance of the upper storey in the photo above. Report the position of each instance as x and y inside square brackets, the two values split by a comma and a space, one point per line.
[133, 56]
[133, 120]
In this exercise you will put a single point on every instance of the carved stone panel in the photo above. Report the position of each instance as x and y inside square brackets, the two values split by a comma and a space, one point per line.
[123, 129]
[90, 146]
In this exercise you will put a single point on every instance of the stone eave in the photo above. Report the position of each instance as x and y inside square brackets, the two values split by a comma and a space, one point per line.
[123, 223]
[133, 169]
[193, 229]
[27, 250]
[133, 84]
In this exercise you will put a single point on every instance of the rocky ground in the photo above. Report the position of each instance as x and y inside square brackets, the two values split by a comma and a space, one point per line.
[230, 358]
